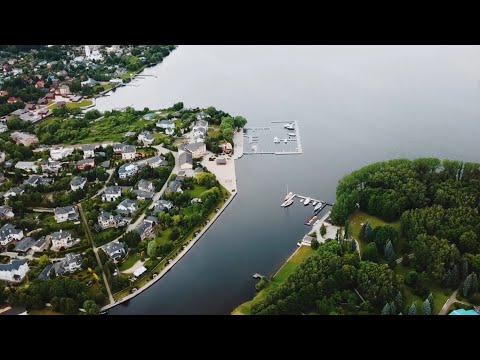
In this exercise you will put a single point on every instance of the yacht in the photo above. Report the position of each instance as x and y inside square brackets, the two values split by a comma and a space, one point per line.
[289, 126]
[314, 203]
[285, 141]
[307, 201]
[275, 140]
[301, 200]
[289, 195]
[288, 203]
[292, 134]
[318, 207]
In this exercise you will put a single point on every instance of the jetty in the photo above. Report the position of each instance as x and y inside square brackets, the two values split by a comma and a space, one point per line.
[272, 140]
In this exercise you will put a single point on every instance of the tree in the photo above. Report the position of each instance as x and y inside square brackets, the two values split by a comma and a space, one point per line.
[103, 256]
[366, 232]
[177, 106]
[10, 247]
[387, 309]
[411, 278]
[405, 260]
[175, 234]
[470, 285]
[347, 229]
[91, 307]
[426, 308]
[431, 300]
[152, 248]
[70, 306]
[468, 242]
[43, 261]
[389, 252]
[315, 244]
[370, 253]
[239, 121]
[412, 310]
[399, 300]
[323, 230]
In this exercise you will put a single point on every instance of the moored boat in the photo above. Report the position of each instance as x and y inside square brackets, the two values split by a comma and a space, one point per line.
[307, 201]
[318, 207]
[288, 203]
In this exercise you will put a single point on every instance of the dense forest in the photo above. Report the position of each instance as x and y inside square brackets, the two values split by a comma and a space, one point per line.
[436, 205]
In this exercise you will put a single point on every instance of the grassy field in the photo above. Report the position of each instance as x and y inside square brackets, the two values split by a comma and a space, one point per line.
[86, 102]
[45, 311]
[289, 267]
[359, 217]
[197, 191]
[127, 264]
[164, 238]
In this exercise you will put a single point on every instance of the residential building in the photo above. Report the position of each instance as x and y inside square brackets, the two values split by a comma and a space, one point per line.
[145, 229]
[201, 118]
[62, 238]
[162, 206]
[2, 155]
[185, 160]
[107, 220]
[149, 116]
[88, 151]
[9, 233]
[30, 107]
[71, 263]
[112, 193]
[14, 271]
[146, 137]
[127, 170]
[89, 82]
[129, 152]
[45, 273]
[24, 138]
[196, 149]
[77, 183]
[115, 250]
[50, 96]
[61, 104]
[58, 153]
[157, 161]
[26, 166]
[175, 186]
[67, 213]
[127, 207]
[24, 245]
[6, 212]
[143, 195]
[166, 124]
[42, 101]
[64, 90]
[18, 112]
[41, 244]
[145, 185]
[14, 192]
[50, 166]
[82, 164]
[3, 128]
[226, 147]
[116, 82]
[117, 148]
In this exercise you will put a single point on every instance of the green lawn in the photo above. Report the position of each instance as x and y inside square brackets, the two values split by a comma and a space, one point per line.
[289, 267]
[164, 238]
[127, 264]
[197, 191]
[86, 102]
[44, 311]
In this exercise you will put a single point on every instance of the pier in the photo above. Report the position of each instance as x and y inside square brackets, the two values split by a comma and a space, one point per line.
[261, 139]
[315, 213]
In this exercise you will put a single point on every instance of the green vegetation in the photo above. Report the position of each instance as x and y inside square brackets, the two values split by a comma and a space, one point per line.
[129, 262]
[79, 104]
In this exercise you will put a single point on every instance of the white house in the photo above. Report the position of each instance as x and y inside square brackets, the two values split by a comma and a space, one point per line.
[88, 151]
[62, 239]
[107, 220]
[3, 128]
[145, 185]
[14, 271]
[167, 125]
[185, 160]
[89, 82]
[157, 161]
[129, 152]
[112, 193]
[41, 244]
[26, 166]
[115, 250]
[196, 149]
[6, 212]
[69, 264]
[14, 192]
[9, 233]
[127, 206]
[116, 81]
[60, 153]
[127, 170]
[67, 213]
[50, 166]
[77, 183]
[146, 137]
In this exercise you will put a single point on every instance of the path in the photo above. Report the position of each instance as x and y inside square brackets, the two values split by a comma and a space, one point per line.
[134, 267]
[110, 171]
[15, 255]
[95, 250]
[452, 299]
[410, 256]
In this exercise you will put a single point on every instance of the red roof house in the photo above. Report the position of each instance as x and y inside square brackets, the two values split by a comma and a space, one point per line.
[4, 93]
[40, 84]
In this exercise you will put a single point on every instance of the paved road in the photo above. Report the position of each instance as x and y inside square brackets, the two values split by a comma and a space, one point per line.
[15, 255]
[95, 250]
[111, 172]
[448, 303]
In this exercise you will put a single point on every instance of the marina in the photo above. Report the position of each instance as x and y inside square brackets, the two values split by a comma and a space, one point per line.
[281, 138]
[318, 205]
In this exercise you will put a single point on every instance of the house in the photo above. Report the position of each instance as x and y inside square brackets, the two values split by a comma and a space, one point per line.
[146, 137]
[14, 271]
[30, 107]
[117, 148]
[196, 149]
[89, 82]
[164, 205]
[221, 161]
[464, 312]
[26, 166]
[201, 116]
[107, 220]
[156, 161]
[40, 84]
[166, 125]
[24, 138]
[145, 229]
[116, 82]
[143, 195]
[88, 151]
[129, 152]
[64, 90]
[50, 166]
[3, 128]
[2, 157]
[175, 186]
[185, 160]
[6, 212]
[32, 181]
[12, 100]
[307, 240]
[69, 264]
[61, 104]
[14, 192]
[61, 239]
[24, 245]
[40, 245]
[145, 185]
[112, 193]
[115, 250]
[9, 233]
[58, 153]
[127, 207]
[42, 101]
[127, 170]
[149, 116]
[77, 183]
[44, 113]
[18, 112]
[105, 164]
[45, 273]
[67, 213]
[226, 147]
[50, 96]
[82, 164]
[30, 117]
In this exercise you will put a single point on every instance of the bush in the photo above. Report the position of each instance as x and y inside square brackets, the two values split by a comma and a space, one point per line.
[10, 247]
[411, 278]
[421, 291]
[475, 299]
[458, 305]
[405, 260]
[262, 284]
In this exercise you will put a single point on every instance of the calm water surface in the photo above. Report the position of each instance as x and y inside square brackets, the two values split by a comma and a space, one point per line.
[355, 105]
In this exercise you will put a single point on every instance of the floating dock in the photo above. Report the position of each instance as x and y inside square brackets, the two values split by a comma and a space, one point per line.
[259, 140]
[315, 213]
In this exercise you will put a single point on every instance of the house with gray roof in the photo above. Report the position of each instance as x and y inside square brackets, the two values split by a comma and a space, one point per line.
[50, 166]
[62, 238]
[146, 228]
[166, 124]
[145, 185]
[175, 186]
[143, 195]
[15, 191]
[88, 151]
[112, 193]
[157, 161]
[127, 170]
[107, 220]
[185, 160]
[115, 250]
[9, 233]
[129, 152]
[77, 183]
[69, 264]
[14, 271]
[127, 206]
[24, 245]
[45, 274]
[146, 137]
[149, 116]
[197, 149]
[67, 213]
[41, 244]
[6, 212]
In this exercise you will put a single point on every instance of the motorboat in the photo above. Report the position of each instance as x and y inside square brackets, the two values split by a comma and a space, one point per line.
[301, 200]
[307, 201]
[275, 140]
[286, 140]
[292, 134]
[314, 203]
[288, 203]
[318, 207]
[289, 126]
[289, 195]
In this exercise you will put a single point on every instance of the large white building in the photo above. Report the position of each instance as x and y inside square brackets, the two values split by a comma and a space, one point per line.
[62, 239]
[112, 193]
[9, 233]
[14, 271]
[129, 152]
[60, 152]
[196, 149]
[127, 170]
[65, 213]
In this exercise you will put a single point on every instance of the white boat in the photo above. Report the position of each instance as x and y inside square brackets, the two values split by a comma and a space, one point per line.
[314, 203]
[288, 203]
[289, 194]
[285, 141]
[275, 140]
[292, 134]
[301, 200]
[307, 201]
[318, 207]
[289, 126]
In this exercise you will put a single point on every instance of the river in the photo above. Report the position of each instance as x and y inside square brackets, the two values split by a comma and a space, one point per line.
[355, 105]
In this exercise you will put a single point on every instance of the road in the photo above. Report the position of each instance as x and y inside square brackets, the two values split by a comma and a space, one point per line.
[14, 255]
[410, 256]
[111, 172]
[452, 299]
[95, 250]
